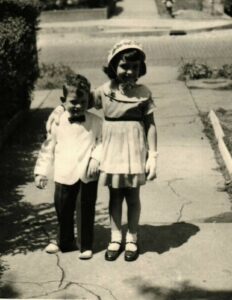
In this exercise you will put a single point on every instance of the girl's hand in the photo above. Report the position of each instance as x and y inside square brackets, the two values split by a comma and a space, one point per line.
[93, 168]
[41, 181]
[54, 117]
[151, 165]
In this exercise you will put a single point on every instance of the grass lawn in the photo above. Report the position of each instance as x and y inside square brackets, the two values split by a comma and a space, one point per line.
[180, 4]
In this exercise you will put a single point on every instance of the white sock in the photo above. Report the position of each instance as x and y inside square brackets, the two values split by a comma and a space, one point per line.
[131, 237]
[116, 236]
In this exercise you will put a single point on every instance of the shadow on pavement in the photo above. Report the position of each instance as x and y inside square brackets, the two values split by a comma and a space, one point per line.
[22, 223]
[184, 291]
[8, 291]
[161, 239]
[158, 239]
[101, 239]
[221, 218]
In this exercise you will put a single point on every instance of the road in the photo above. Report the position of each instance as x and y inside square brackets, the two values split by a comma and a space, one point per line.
[81, 50]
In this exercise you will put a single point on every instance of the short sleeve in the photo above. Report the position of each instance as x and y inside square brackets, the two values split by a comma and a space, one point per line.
[97, 98]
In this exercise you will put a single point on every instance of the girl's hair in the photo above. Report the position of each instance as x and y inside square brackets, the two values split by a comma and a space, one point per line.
[126, 55]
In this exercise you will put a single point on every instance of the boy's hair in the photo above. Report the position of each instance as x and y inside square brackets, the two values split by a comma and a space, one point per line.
[126, 55]
[78, 81]
[75, 80]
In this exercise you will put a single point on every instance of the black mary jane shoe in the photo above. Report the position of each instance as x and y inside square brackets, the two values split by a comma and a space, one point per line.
[131, 255]
[112, 255]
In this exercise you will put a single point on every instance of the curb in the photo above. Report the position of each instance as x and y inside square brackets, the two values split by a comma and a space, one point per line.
[114, 31]
[213, 84]
[205, 29]
[219, 134]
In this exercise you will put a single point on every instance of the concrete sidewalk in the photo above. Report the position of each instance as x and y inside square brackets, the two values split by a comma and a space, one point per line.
[185, 249]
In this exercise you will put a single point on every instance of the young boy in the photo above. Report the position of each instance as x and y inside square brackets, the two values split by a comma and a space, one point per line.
[75, 146]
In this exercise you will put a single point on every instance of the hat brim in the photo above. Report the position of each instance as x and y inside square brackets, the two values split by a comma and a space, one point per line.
[123, 49]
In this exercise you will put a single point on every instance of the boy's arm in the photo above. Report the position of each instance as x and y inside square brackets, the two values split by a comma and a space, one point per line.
[45, 157]
[151, 134]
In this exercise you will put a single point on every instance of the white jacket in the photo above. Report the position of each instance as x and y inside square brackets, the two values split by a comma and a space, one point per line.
[71, 146]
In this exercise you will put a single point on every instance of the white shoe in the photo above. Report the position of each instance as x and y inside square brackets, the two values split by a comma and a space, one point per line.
[86, 254]
[52, 248]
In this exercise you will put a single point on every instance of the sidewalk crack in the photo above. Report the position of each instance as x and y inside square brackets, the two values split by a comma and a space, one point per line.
[61, 269]
[57, 261]
[82, 286]
[170, 182]
[181, 210]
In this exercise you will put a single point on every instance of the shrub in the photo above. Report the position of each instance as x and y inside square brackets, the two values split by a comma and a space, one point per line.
[226, 71]
[194, 70]
[66, 4]
[18, 54]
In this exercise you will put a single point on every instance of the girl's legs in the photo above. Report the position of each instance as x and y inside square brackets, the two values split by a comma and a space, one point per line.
[115, 212]
[133, 215]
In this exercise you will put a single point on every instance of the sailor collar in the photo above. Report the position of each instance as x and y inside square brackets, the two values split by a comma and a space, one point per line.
[138, 93]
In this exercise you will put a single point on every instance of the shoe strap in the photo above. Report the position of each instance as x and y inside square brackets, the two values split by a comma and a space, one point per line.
[115, 242]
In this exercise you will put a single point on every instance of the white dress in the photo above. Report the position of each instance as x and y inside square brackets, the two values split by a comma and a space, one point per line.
[124, 141]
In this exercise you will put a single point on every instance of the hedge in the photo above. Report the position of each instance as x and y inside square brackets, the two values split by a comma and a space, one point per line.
[66, 4]
[18, 54]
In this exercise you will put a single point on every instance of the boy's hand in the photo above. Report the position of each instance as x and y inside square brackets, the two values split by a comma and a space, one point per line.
[93, 168]
[54, 117]
[151, 166]
[41, 181]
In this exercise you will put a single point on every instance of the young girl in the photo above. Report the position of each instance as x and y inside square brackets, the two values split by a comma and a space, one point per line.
[129, 141]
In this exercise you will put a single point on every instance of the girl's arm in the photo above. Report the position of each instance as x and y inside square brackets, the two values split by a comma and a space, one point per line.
[151, 134]
[54, 117]
[91, 100]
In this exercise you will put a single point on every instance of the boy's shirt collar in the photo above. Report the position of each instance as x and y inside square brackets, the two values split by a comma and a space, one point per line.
[74, 119]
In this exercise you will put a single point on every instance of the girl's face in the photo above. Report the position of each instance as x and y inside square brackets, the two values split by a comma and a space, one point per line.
[128, 71]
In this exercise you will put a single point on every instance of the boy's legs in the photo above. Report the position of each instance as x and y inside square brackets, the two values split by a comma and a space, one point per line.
[64, 198]
[85, 212]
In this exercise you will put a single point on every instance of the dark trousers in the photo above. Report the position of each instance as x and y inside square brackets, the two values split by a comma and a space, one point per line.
[80, 197]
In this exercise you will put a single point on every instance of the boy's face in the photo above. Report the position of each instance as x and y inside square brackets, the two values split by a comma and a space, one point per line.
[128, 71]
[76, 100]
